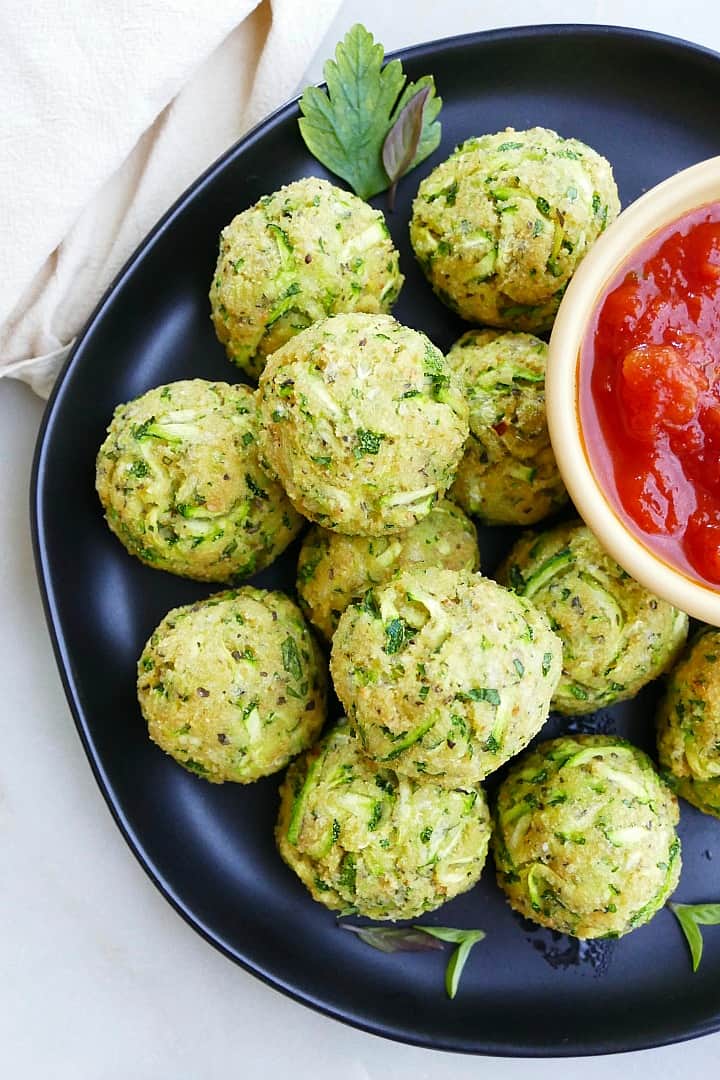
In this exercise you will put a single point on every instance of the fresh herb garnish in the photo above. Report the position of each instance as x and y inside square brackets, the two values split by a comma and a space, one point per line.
[346, 126]
[421, 939]
[389, 939]
[464, 939]
[691, 917]
[402, 140]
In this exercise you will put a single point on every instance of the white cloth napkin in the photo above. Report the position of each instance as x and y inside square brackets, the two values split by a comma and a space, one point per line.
[110, 109]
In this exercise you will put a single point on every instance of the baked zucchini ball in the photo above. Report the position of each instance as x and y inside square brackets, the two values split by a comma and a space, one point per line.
[689, 724]
[234, 686]
[444, 674]
[501, 226]
[584, 837]
[508, 474]
[334, 570]
[181, 484]
[616, 635]
[305, 252]
[362, 423]
[363, 839]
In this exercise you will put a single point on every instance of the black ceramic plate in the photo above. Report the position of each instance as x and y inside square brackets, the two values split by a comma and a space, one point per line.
[650, 105]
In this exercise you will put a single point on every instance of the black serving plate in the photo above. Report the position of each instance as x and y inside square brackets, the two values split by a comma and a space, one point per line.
[650, 104]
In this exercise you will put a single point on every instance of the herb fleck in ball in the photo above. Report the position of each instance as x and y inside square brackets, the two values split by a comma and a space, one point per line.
[508, 474]
[364, 839]
[501, 226]
[616, 636]
[689, 724]
[234, 686]
[305, 252]
[362, 423]
[182, 487]
[584, 836]
[444, 674]
[334, 570]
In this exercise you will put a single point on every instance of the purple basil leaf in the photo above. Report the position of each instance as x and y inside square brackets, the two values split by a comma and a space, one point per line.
[401, 141]
[394, 939]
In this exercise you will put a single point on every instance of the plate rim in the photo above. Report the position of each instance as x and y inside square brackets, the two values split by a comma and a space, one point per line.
[567, 1049]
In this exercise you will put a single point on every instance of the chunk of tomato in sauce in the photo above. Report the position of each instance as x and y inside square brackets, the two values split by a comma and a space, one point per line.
[702, 254]
[660, 388]
[620, 313]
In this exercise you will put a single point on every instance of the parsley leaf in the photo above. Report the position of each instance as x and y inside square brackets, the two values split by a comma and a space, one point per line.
[692, 916]
[345, 126]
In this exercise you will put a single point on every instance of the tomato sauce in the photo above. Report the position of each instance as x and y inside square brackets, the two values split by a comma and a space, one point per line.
[650, 392]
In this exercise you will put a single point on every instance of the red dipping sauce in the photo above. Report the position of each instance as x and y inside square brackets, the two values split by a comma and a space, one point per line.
[650, 393]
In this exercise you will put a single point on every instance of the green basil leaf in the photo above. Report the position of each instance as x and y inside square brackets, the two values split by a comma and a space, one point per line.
[704, 914]
[457, 962]
[420, 939]
[465, 939]
[690, 917]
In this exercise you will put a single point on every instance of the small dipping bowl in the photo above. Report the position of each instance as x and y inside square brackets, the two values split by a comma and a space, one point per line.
[660, 207]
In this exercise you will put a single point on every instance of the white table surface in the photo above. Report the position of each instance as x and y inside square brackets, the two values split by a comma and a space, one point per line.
[100, 979]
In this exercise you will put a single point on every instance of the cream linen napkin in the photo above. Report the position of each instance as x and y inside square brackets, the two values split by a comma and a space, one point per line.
[110, 109]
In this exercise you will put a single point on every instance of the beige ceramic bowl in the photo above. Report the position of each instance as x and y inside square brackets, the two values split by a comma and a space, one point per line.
[664, 204]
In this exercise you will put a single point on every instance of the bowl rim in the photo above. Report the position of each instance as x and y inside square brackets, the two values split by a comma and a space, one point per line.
[659, 207]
